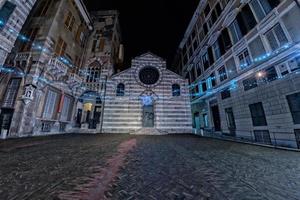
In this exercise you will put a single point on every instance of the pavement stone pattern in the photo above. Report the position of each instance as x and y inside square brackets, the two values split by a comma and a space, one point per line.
[159, 167]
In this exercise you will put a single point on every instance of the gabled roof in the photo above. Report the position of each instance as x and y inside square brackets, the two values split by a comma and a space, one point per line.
[149, 54]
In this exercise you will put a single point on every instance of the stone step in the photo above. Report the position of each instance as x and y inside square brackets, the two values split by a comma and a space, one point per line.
[149, 131]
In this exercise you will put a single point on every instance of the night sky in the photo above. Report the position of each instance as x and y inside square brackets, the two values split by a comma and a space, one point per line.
[150, 25]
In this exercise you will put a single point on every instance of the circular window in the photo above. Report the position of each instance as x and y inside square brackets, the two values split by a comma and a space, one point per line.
[149, 75]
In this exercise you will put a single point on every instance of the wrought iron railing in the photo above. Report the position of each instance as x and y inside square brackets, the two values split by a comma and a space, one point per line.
[276, 139]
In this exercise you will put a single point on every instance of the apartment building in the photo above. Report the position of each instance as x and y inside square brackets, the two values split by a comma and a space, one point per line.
[40, 86]
[13, 15]
[243, 63]
[103, 57]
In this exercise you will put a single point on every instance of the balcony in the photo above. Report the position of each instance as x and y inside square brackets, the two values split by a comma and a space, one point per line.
[57, 67]
[74, 80]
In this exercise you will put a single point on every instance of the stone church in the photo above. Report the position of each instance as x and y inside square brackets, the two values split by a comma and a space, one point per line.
[63, 77]
[147, 99]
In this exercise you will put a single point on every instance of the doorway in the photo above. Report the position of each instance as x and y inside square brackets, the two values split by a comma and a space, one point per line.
[216, 117]
[5, 120]
[230, 121]
[148, 116]
[197, 121]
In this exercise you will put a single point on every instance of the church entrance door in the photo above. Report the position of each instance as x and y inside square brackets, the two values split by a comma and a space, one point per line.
[148, 116]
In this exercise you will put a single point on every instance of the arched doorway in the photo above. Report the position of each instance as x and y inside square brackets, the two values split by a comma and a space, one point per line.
[90, 114]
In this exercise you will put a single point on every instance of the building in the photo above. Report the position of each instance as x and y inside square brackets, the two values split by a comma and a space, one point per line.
[242, 60]
[40, 90]
[12, 17]
[63, 76]
[147, 99]
[103, 56]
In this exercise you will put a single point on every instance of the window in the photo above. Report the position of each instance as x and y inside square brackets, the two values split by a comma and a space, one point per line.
[250, 83]
[212, 80]
[244, 59]
[224, 41]
[257, 48]
[176, 90]
[192, 75]
[283, 69]
[5, 12]
[11, 93]
[276, 37]
[246, 20]
[60, 48]
[204, 86]
[70, 21]
[66, 109]
[294, 104]
[26, 46]
[258, 114]
[217, 51]
[230, 119]
[235, 31]
[50, 105]
[271, 74]
[225, 94]
[207, 10]
[210, 56]
[121, 90]
[198, 69]
[222, 73]
[295, 64]
[263, 7]
[262, 136]
[205, 61]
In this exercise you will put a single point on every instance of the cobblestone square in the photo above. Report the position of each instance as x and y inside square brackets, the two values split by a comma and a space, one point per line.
[145, 167]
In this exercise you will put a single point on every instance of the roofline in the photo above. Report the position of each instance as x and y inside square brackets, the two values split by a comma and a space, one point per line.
[193, 21]
[83, 10]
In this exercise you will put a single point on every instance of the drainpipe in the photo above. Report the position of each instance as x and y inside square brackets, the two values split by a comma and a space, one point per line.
[103, 104]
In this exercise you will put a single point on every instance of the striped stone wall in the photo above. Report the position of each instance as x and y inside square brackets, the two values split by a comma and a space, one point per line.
[124, 114]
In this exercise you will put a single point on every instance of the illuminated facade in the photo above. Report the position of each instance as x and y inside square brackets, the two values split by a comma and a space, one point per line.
[41, 88]
[242, 60]
[12, 17]
[147, 99]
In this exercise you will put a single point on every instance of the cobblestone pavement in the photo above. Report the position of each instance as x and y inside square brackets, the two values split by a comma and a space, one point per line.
[159, 167]
[187, 167]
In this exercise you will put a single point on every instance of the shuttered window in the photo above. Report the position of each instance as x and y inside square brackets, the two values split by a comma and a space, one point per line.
[50, 105]
[235, 31]
[276, 37]
[11, 93]
[60, 48]
[66, 108]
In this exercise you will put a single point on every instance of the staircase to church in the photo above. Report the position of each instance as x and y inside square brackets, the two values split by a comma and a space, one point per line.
[149, 131]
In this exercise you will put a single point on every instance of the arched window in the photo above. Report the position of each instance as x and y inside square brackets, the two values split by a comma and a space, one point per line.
[176, 90]
[121, 90]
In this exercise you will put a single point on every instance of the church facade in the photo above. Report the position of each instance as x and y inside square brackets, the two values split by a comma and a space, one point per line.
[147, 99]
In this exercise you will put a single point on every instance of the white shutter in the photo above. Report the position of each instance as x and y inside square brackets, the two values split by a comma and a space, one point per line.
[50, 104]
[65, 109]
